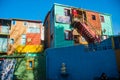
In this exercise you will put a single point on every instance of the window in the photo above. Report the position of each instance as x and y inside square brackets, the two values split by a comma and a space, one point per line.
[23, 39]
[11, 41]
[25, 23]
[93, 17]
[68, 35]
[33, 30]
[13, 22]
[102, 18]
[67, 12]
[30, 64]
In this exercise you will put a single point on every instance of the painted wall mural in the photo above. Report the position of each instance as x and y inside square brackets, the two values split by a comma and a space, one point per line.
[7, 69]
[63, 19]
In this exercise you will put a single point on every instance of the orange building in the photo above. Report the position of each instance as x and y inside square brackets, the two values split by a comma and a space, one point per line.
[25, 36]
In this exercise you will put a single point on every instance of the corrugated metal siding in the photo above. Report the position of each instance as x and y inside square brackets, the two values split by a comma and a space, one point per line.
[80, 65]
[5, 29]
[107, 25]
[33, 39]
[60, 28]
[95, 23]
[3, 44]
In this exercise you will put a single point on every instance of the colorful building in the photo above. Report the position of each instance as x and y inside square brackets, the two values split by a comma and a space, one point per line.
[65, 27]
[69, 26]
[5, 25]
[22, 41]
[25, 36]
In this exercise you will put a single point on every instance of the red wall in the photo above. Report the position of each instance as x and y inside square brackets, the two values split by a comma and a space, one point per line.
[33, 39]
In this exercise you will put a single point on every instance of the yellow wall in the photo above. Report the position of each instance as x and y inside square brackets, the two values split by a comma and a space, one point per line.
[29, 48]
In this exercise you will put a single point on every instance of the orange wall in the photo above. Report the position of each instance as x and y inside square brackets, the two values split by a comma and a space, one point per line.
[18, 30]
[33, 39]
[95, 23]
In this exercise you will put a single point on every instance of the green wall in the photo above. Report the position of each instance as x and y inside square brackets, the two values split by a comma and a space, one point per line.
[37, 73]
[107, 25]
[60, 28]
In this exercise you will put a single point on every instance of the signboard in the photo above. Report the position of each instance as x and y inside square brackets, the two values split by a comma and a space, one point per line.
[63, 19]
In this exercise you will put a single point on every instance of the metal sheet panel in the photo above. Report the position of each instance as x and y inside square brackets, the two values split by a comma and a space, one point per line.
[5, 29]
[3, 44]
[80, 65]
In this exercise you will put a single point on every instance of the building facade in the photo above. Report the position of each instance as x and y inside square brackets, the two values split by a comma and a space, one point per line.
[21, 48]
[5, 25]
[25, 36]
[69, 26]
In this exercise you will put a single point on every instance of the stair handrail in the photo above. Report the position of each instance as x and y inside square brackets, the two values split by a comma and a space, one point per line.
[88, 23]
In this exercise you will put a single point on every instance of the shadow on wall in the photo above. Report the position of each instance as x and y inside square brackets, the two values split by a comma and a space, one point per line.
[36, 73]
[63, 39]
[40, 70]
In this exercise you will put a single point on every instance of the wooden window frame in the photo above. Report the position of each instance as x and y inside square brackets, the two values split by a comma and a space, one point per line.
[28, 64]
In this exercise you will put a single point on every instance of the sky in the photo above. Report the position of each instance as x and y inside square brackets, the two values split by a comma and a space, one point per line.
[37, 9]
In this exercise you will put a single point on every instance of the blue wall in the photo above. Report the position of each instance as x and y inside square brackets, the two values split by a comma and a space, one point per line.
[81, 64]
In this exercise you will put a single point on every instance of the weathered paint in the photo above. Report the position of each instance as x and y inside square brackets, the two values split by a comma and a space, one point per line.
[33, 39]
[36, 73]
[16, 32]
[106, 25]
[29, 48]
[80, 65]
[95, 23]
[60, 28]
[32, 35]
